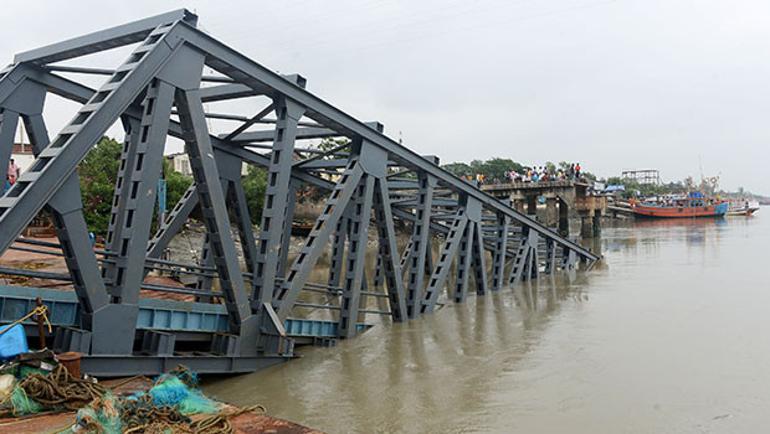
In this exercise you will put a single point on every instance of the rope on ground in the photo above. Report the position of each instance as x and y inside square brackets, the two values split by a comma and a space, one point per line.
[151, 420]
[60, 388]
[220, 423]
[141, 415]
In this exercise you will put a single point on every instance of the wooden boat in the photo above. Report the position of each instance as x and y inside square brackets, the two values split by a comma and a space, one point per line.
[743, 208]
[692, 206]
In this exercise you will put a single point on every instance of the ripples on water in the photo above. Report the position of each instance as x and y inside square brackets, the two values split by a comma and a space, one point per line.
[669, 334]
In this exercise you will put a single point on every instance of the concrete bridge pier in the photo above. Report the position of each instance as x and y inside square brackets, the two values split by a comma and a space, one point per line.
[597, 222]
[591, 223]
[532, 205]
[563, 218]
[551, 211]
[518, 200]
[586, 225]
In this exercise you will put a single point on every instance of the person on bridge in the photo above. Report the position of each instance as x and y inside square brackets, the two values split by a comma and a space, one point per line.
[13, 172]
[577, 170]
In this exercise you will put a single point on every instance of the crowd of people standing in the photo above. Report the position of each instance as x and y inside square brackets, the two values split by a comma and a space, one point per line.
[571, 172]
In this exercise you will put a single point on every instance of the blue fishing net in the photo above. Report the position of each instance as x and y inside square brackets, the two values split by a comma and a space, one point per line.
[173, 392]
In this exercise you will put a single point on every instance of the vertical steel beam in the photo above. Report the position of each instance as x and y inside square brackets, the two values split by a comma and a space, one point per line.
[534, 262]
[214, 210]
[420, 244]
[501, 249]
[291, 203]
[464, 263]
[276, 199]
[388, 251]
[405, 256]
[229, 167]
[521, 256]
[319, 236]
[130, 237]
[526, 264]
[379, 273]
[446, 256]
[550, 256]
[569, 259]
[205, 283]
[478, 261]
[121, 192]
[338, 250]
[354, 272]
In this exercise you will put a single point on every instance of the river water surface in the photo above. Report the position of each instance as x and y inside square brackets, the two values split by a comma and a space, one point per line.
[670, 334]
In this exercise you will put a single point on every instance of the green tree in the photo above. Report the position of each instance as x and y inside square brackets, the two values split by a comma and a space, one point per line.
[458, 169]
[496, 168]
[254, 185]
[98, 173]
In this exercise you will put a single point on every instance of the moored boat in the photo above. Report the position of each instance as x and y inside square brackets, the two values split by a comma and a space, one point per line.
[692, 206]
[743, 208]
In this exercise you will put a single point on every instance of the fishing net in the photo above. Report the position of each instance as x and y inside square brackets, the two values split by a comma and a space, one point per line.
[21, 404]
[25, 371]
[187, 376]
[173, 392]
[101, 416]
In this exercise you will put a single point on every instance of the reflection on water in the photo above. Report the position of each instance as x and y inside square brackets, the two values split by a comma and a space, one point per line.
[666, 336]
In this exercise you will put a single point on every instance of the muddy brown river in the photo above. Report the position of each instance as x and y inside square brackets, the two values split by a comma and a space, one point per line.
[670, 334]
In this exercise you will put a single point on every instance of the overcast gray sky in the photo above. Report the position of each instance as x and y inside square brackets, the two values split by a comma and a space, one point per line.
[667, 84]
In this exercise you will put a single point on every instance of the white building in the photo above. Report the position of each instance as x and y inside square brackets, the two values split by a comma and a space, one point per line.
[180, 162]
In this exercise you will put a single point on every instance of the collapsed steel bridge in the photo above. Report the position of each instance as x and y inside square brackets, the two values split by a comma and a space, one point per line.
[254, 317]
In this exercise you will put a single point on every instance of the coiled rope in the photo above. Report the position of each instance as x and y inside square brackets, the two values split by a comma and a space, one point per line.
[60, 388]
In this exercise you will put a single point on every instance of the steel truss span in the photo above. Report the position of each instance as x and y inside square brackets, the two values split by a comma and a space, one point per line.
[254, 317]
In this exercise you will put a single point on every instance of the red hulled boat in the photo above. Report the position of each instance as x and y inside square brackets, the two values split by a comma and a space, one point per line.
[694, 205]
